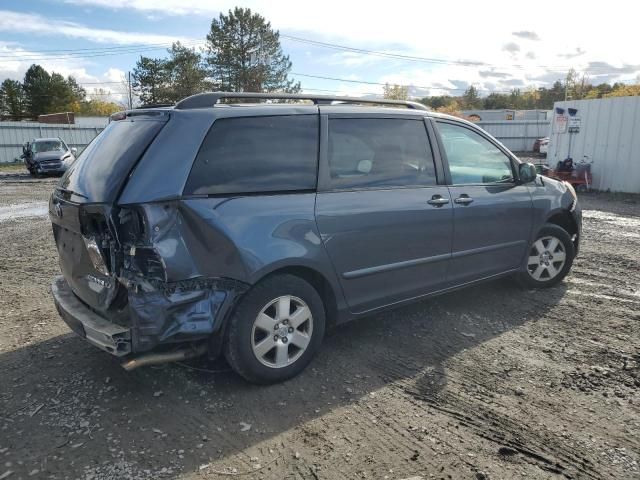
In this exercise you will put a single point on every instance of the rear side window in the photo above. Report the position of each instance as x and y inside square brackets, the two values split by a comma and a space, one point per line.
[257, 154]
[102, 168]
[379, 152]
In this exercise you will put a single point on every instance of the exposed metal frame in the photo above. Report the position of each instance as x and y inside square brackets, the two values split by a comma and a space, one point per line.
[205, 100]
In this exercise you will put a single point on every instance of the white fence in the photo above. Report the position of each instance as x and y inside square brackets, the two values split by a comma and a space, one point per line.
[517, 135]
[609, 136]
[14, 134]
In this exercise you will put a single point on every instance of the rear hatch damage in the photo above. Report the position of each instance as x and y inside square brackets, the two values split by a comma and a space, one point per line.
[115, 289]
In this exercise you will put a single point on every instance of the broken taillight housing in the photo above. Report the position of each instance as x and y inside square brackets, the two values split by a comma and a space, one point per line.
[95, 255]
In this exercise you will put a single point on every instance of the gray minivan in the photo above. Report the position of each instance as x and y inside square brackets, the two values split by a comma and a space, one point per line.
[249, 228]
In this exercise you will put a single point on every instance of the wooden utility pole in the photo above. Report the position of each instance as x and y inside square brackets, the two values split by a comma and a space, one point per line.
[130, 92]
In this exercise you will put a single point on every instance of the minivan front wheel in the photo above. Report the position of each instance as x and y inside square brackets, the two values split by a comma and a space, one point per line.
[549, 258]
[275, 330]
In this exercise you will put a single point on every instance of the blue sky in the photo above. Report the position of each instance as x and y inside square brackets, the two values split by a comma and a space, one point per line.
[493, 45]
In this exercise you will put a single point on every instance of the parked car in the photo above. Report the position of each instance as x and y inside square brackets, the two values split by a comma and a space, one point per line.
[47, 156]
[248, 230]
[541, 145]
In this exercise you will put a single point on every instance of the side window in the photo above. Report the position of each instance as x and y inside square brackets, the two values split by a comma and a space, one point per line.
[472, 158]
[379, 152]
[257, 154]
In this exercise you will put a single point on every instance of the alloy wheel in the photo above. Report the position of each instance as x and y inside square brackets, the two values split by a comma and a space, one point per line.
[546, 258]
[282, 331]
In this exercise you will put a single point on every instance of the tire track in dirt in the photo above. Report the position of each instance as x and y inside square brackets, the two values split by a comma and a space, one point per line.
[536, 447]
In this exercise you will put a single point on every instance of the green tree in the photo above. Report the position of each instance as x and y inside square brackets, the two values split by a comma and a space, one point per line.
[11, 99]
[64, 94]
[36, 84]
[496, 101]
[186, 72]
[50, 93]
[151, 81]
[624, 91]
[548, 96]
[168, 80]
[244, 54]
[395, 92]
[438, 101]
[471, 99]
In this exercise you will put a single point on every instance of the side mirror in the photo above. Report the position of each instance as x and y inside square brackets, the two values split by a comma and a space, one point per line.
[74, 150]
[527, 172]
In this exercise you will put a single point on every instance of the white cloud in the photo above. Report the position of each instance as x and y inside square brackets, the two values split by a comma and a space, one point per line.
[423, 29]
[422, 26]
[12, 22]
[14, 66]
[350, 59]
[475, 31]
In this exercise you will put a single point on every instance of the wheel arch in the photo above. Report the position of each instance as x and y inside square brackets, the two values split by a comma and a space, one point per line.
[318, 281]
[564, 220]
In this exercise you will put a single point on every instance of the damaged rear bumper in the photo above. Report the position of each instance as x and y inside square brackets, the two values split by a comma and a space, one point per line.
[105, 335]
[184, 312]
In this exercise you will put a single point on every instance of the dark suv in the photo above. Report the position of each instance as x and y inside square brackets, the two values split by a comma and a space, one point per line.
[248, 229]
[47, 155]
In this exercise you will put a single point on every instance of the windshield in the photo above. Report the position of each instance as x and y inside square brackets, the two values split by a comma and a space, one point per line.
[102, 168]
[40, 146]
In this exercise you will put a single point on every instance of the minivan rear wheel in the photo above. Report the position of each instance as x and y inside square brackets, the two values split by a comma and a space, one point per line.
[275, 330]
[549, 258]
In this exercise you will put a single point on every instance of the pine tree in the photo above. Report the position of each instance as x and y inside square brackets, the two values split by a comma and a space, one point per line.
[36, 85]
[151, 81]
[244, 54]
[11, 99]
[186, 72]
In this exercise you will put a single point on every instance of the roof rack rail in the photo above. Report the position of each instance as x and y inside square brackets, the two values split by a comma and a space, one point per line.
[204, 100]
[154, 105]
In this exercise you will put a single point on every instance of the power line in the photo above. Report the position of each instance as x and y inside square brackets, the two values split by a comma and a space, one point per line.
[366, 82]
[143, 45]
[381, 54]
[398, 56]
[128, 50]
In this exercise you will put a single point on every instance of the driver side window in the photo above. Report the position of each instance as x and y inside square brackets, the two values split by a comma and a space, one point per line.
[472, 158]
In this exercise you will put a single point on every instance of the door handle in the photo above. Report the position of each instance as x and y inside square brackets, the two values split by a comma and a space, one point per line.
[464, 199]
[438, 201]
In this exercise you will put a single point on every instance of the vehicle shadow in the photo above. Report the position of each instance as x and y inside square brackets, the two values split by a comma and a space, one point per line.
[68, 409]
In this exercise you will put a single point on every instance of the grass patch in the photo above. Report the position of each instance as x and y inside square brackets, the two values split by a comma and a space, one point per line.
[12, 167]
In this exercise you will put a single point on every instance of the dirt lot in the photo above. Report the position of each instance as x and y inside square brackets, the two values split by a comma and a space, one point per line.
[491, 382]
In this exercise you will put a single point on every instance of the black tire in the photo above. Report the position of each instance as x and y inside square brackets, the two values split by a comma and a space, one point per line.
[548, 230]
[238, 348]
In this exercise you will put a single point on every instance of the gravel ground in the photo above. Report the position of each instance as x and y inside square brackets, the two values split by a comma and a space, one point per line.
[490, 382]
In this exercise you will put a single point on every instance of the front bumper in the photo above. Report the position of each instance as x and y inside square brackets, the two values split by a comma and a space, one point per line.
[577, 218]
[55, 169]
[105, 335]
